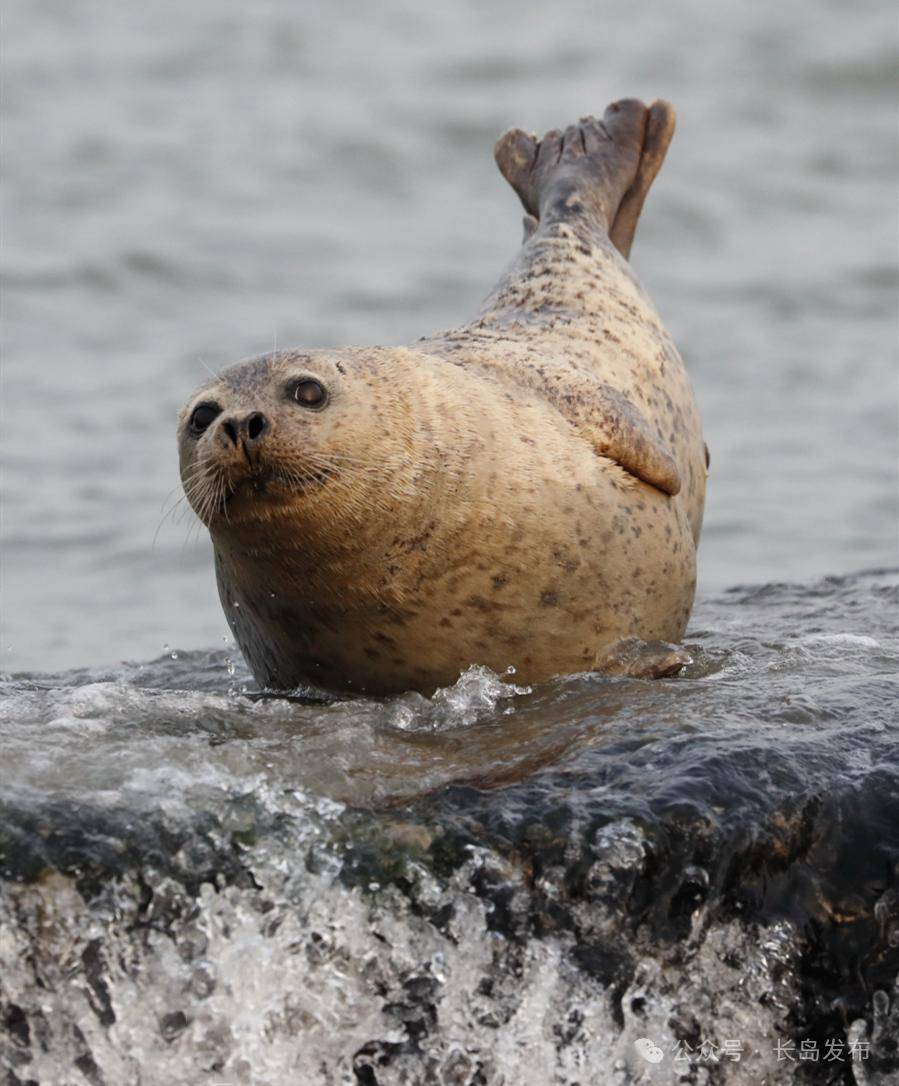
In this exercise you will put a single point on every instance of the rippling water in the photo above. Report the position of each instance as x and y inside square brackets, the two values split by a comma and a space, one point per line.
[204, 884]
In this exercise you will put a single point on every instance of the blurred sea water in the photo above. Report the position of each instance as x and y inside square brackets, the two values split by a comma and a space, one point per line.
[187, 184]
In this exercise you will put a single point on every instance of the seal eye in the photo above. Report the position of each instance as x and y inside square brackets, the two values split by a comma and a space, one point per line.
[309, 393]
[203, 416]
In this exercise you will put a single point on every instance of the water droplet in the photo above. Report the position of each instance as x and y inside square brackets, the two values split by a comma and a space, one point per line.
[232, 667]
[510, 670]
[235, 604]
[174, 655]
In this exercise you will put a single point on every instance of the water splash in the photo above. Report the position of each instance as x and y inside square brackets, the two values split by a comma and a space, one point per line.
[474, 697]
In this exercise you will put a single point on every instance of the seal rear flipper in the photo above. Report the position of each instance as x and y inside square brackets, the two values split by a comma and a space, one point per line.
[598, 172]
[659, 131]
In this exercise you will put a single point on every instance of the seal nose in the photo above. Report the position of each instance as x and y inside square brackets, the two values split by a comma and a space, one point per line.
[248, 430]
[256, 425]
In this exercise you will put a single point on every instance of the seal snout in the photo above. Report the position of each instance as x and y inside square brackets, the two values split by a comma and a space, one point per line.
[244, 435]
[246, 431]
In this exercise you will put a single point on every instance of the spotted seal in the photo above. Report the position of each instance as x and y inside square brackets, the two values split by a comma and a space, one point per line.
[525, 490]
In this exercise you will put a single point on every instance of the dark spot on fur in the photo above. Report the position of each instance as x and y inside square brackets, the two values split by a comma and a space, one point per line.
[480, 603]
[549, 598]
[567, 563]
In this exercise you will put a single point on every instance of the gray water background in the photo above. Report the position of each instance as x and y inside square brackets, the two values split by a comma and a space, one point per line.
[189, 183]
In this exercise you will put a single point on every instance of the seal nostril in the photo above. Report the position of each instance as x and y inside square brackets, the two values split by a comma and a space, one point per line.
[231, 430]
[255, 425]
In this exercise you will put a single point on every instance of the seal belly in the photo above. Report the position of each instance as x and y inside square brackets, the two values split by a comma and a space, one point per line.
[583, 566]
[551, 554]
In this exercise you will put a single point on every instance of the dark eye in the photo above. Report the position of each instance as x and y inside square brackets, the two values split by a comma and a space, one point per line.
[309, 393]
[203, 416]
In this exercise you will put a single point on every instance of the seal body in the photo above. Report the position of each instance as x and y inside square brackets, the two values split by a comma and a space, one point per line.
[523, 491]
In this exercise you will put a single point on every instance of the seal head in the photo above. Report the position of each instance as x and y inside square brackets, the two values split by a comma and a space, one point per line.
[270, 442]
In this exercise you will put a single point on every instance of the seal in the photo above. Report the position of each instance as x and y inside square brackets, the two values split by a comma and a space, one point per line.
[524, 491]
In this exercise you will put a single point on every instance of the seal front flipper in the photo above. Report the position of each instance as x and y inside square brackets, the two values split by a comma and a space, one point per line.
[617, 430]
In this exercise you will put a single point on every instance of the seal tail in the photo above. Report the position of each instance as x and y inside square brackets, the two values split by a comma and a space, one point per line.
[600, 171]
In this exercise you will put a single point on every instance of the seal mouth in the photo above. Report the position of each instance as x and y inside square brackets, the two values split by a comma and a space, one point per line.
[308, 481]
[273, 485]
[219, 491]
